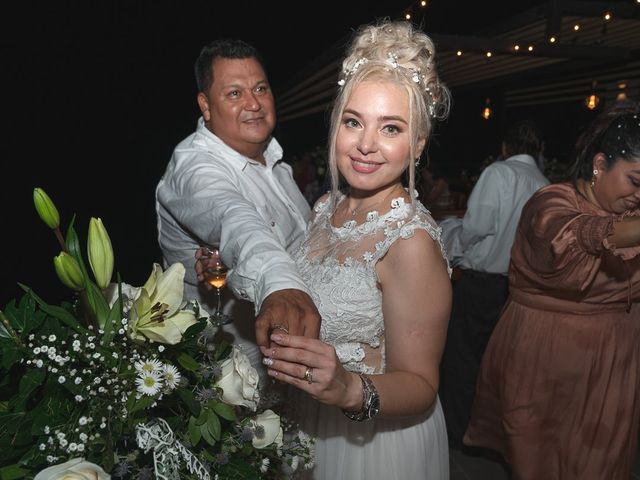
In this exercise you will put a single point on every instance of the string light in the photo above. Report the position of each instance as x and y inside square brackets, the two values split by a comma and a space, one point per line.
[407, 16]
[516, 47]
[423, 3]
[459, 53]
[592, 100]
[489, 54]
[576, 27]
[486, 111]
[607, 16]
[622, 94]
[552, 39]
[530, 48]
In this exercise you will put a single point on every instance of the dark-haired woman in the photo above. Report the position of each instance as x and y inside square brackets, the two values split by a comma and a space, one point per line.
[559, 388]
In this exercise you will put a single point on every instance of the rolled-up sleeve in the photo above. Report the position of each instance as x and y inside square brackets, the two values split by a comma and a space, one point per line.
[205, 198]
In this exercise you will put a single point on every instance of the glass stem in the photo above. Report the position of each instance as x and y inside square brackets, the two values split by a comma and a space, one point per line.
[219, 307]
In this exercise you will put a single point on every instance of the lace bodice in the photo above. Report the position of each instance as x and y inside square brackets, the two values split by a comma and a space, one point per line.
[338, 265]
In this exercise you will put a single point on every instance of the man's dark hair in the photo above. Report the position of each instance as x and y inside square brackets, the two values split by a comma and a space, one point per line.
[222, 48]
[523, 138]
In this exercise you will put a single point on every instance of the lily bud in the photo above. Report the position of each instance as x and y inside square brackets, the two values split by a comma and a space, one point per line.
[100, 253]
[68, 271]
[45, 208]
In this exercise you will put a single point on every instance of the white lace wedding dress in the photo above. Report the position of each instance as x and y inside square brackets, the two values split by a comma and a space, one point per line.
[338, 265]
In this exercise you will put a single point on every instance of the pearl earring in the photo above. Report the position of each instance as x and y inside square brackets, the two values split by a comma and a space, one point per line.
[593, 179]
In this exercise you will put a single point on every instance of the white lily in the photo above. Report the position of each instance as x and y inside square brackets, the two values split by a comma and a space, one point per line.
[156, 313]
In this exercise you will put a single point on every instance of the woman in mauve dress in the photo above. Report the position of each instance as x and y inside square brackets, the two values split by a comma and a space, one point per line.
[559, 388]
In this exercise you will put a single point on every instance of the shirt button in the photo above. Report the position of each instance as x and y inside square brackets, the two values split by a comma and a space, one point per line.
[273, 224]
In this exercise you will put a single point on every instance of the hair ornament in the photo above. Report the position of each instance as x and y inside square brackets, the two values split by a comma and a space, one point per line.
[392, 60]
[416, 76]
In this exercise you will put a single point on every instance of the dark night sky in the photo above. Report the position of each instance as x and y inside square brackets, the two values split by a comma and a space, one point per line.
[95, 95]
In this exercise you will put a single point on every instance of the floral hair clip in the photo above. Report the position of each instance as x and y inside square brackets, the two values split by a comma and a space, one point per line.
[352, 70]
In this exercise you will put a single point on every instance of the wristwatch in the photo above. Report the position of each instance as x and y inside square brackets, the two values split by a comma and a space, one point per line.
[370, 402]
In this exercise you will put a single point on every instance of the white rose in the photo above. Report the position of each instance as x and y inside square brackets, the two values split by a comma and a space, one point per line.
[74, 469]
[270, 423]
[239, 381]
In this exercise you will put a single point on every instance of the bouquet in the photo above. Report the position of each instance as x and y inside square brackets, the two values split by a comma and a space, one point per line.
[128, 382]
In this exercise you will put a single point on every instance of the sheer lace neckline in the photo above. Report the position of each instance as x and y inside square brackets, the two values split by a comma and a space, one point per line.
[373, 216]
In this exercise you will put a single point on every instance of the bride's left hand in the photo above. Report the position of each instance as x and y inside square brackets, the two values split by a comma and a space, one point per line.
[313, 366]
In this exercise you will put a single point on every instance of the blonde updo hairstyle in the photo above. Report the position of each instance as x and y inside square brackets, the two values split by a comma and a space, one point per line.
[392, 51]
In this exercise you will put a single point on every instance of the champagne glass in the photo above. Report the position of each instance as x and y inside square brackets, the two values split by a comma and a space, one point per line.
[215, 274]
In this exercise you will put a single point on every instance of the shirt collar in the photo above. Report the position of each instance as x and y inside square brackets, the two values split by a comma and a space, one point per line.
[523, 157]
[272, 155]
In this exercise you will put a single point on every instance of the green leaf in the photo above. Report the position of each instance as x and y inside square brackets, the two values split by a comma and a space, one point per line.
[10, 354]
[4, 333]
[97, 302]
[225, 411]
[28, 383]
[57, 312]
[144, 402]
[194, 330]
[73, 245]
[12, 472]
[194, 432]
[202, 418]
[213, 424]
[188, 362]
[206, 434]
[190, 401]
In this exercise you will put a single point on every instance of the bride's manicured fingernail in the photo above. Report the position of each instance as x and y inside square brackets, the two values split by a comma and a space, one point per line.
[267, 361]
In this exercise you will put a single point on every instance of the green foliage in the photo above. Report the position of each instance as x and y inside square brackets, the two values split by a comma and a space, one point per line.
[77, 381]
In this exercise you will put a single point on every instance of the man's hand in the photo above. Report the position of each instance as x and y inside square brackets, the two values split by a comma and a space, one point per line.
[291, 310]
[205, 259]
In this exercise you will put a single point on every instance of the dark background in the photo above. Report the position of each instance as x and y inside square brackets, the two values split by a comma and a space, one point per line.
[95, 95]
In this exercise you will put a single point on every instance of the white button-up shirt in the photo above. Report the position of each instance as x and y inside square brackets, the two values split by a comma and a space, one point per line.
[210, 193]
[493, 211]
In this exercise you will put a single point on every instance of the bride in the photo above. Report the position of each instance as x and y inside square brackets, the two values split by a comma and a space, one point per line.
[374, 262]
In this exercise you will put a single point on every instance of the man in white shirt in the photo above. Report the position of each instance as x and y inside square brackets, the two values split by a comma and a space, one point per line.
[485, 240]
[226, 183]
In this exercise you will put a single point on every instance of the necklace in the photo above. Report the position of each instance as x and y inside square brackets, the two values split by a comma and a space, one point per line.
[355, 211]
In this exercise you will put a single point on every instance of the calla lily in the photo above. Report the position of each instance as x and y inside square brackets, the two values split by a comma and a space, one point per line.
[155, 314]
[68, 271]
[100, 253]
[47, 211]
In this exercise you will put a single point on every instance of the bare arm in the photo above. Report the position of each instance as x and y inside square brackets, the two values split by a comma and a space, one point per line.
[416, 296]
